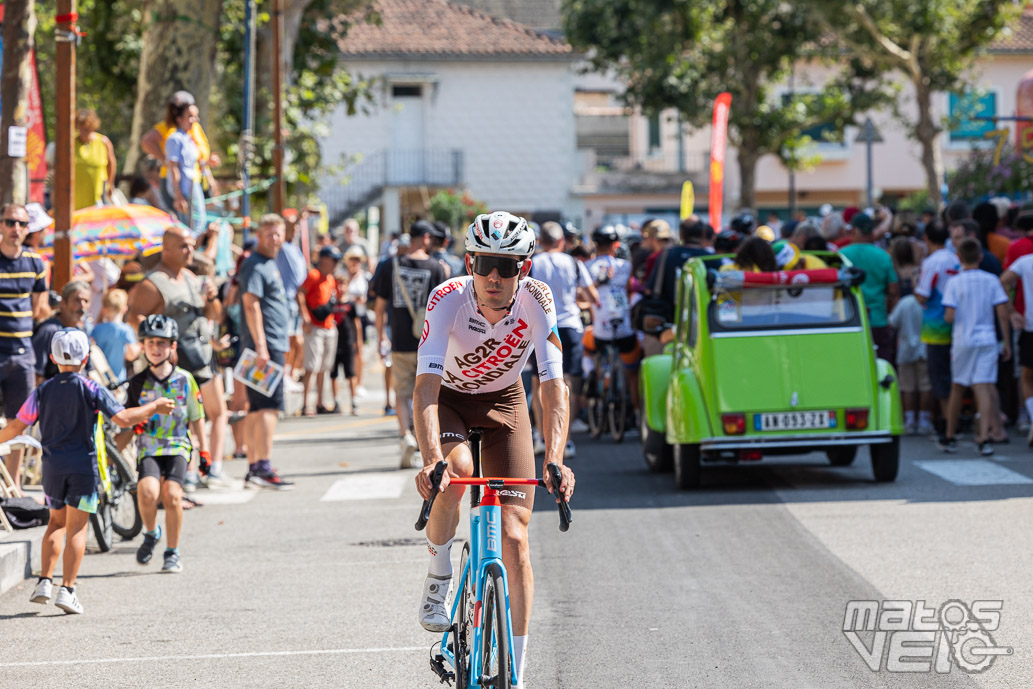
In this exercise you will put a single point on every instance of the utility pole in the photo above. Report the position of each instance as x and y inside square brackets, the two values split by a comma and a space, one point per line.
[67, 37]
[869, 135]
[246, 148]
[279, 188]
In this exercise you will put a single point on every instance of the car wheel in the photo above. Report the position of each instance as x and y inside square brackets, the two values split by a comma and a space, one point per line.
[658, 453]
[686, 466]
[886, 460]
[841, 455]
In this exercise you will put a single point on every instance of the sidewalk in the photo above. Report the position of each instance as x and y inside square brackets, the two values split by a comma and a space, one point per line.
[20, 552]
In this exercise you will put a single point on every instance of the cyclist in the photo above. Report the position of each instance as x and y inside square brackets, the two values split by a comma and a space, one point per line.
[486, 323]
[611, 315]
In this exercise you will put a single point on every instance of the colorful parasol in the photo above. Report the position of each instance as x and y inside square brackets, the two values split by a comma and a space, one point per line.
[114, 231]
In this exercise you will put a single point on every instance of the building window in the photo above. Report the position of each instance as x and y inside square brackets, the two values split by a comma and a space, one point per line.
[966, 111]
[654, 131]
[824, 134]
[406, 90]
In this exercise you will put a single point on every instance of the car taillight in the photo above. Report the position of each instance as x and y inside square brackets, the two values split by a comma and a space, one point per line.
[750, 455]
[856, 419]
[734, 424]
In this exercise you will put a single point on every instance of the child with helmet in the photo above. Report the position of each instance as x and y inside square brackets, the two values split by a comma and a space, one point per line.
[165, 445]
[66, 407]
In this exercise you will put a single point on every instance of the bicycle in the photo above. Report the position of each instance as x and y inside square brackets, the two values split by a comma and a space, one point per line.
[117, 510]
[609, 398]
[479, 645]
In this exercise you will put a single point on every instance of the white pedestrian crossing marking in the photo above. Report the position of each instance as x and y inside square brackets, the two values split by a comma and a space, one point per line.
[228, 496]
[372, 486]
[973, 472]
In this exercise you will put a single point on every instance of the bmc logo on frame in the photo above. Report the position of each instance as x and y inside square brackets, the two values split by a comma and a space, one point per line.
[911, 636]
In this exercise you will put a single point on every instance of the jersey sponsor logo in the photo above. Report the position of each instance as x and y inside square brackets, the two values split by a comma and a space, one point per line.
[426, 331]
[510, 493]
[455, 436]
[441, 291]
[491, 360]
[543, 297]
[435, 366]
[476, 326]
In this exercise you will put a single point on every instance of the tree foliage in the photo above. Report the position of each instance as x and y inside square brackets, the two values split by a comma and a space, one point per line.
[931, 43]
[681, 54]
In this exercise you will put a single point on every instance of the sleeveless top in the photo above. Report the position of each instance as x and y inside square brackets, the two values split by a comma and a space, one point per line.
[185, 305]
[91, 171]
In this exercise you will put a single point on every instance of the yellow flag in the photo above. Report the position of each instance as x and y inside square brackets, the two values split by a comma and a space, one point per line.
[688, 199]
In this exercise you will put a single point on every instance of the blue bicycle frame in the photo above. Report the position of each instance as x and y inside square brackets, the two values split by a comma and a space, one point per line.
[485, 551]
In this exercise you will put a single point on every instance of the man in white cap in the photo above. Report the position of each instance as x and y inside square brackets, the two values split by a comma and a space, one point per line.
[66, 409]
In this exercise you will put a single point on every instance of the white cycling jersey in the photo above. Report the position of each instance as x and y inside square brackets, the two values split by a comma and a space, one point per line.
[472, 355]
[613, 308]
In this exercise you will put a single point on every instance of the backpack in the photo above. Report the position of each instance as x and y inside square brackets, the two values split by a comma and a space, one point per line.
[24, 513]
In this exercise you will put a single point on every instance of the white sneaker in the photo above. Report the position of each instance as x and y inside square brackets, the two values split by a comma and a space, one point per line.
[578, 426]
[408, 446]
[539, 444]
[68, 601]
[569, 452]
[361, 393]
[433, 611]
[43, 591]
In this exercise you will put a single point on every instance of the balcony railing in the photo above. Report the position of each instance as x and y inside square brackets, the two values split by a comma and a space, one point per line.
[393, 168]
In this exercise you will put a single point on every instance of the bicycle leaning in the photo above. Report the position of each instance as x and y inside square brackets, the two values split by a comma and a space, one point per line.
[117, 511]
[479, 644]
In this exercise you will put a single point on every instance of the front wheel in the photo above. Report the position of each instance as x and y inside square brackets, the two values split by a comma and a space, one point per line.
[494, 661]
[596, 408]
[125, 512]
[886, 460]
[101, 523]
[657, 451]
[686, 466]
[462, 632]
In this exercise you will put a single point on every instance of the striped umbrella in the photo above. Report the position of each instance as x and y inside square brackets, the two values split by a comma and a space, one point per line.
[114, 231]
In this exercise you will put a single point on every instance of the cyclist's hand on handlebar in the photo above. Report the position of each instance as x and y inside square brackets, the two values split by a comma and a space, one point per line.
[423, 483]
[566, 487]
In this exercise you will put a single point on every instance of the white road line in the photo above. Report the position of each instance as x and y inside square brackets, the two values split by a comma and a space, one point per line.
[371, 486]
[973, 472]
[232, 496]
[217, 656]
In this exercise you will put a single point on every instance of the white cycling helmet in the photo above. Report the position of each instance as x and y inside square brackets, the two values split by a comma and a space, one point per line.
[500, 233]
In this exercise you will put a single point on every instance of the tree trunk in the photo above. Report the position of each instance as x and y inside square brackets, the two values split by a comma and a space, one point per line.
[747, 178]
[928, 134]
[178, 54]
[15, 84]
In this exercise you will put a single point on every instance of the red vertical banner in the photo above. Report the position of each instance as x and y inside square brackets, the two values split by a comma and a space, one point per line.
[36, 145]
[718, 144]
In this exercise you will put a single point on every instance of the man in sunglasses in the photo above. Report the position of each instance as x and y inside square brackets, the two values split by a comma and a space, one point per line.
[478, 334]
[23, 292]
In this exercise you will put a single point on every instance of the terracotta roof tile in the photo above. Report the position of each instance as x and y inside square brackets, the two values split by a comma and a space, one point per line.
[440, 28]
[1020, 37]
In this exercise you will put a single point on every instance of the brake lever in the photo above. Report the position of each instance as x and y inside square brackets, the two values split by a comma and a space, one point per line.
[556, 478]
[435, 489]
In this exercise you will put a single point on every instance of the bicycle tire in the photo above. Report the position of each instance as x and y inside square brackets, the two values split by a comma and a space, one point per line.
[101, 523]
[462, 633]
[595, 409]
[618, 406]
[493, 665]
[125, 511]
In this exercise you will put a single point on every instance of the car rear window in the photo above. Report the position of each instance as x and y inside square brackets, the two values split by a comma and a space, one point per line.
[779, 307]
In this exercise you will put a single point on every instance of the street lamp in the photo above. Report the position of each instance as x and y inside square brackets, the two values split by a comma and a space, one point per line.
[869, 135]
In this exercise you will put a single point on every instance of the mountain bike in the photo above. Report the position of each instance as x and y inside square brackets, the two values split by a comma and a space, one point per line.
[117, 509]
[479, 645]
[609, 397]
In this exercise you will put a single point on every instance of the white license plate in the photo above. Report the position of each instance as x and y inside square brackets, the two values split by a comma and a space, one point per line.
[794, 420]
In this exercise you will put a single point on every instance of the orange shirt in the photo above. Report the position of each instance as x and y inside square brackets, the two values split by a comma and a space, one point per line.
[998, 245]
[318, 290]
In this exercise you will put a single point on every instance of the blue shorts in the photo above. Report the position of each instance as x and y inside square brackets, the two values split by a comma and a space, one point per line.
[75, 490]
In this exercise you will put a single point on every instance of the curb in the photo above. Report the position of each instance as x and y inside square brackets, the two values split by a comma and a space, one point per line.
[19, 556]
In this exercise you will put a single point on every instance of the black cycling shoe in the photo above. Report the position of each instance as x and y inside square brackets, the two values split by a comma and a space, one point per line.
[146, 549]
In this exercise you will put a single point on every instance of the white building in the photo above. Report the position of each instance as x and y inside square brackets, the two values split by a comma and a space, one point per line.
[463, 100]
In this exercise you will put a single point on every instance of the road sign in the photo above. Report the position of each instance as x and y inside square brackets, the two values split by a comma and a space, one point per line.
[869, 134]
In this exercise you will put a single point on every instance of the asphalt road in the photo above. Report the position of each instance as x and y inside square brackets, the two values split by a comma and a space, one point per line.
[743, 583]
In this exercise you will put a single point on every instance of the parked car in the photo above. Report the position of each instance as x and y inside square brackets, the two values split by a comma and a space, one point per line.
[766, 364]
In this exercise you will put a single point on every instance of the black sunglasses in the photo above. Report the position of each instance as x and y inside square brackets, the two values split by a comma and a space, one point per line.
[11, 222]
[507, 267]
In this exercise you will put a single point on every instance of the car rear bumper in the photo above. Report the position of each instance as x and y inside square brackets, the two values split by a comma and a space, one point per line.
[801, 440]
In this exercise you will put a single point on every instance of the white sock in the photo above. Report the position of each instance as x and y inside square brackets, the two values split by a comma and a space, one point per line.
[909, 417]
[440, 558]
[217, 466]
[519, 646]
[1029, 407]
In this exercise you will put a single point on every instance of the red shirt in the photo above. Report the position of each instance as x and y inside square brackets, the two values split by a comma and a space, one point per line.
[318, 290]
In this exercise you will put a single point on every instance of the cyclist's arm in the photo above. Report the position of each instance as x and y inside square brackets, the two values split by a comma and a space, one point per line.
[425, 417]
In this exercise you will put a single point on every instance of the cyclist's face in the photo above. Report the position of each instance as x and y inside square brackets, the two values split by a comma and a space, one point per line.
[492, 290]
[157, 349]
